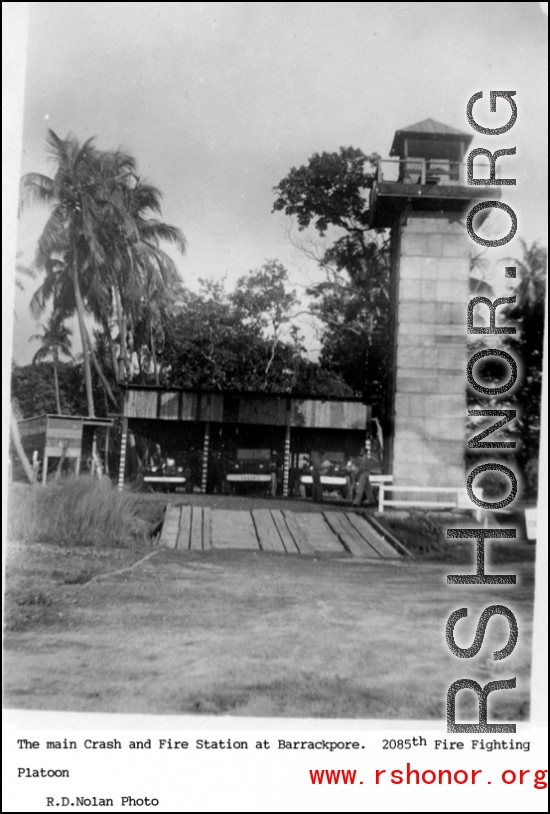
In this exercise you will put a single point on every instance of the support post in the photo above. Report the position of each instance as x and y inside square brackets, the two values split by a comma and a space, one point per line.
[94, 452]
[205, 452]
[122, 464]
[286, 464]
[107, 451]
[381, 498]
[45, 470]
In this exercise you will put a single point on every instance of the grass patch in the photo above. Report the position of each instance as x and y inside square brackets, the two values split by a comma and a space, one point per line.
[225, 632]
[425, 535]
[82, 511]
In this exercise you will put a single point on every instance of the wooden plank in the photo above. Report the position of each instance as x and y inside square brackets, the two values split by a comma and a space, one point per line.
[196, 529]
[348, 540]
[269, 537]
[299, 535]
[321, 536]
[141, 403]
[185, 527]
[372, 537]
[349, 535]
[269, 410]
[170, 527]
[348, 525]
[189, 406]
[207, 528]
[263, 531]
[233, 529]
[282, 528]
[169, 405]
[348, 415]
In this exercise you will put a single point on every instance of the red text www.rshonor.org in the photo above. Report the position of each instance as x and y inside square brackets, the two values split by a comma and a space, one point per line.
[410, 776]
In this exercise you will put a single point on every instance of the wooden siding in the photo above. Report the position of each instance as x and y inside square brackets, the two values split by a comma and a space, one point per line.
[141, 404]
[345, 415]
[32, 426]
[56, 424]
[275, 411]
[169, 405]
[50, 435]
[267, 410]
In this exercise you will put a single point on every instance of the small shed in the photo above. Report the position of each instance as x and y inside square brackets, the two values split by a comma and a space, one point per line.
[60, 438]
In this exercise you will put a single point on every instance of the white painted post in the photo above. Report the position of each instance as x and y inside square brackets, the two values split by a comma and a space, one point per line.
[286, 464]
[205, 452]
[35, 466]
[122, 464]
[381, 498]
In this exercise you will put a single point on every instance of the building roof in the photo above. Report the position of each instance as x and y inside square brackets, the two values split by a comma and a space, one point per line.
[245, 394]
[87, 420]
[428, 128]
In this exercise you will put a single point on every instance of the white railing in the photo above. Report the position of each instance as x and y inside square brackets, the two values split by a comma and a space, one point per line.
[376, 480]
[460, 498]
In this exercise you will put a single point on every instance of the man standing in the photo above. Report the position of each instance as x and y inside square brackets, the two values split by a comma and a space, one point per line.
[316, 460]
[363, 483]
[273, 474]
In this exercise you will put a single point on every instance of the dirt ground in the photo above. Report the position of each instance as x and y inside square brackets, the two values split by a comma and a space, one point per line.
[251, 633]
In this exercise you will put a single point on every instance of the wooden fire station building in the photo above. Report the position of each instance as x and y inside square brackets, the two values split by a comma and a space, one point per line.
[211, 422]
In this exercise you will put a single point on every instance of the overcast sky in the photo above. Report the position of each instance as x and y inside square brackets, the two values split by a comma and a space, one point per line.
[217, 101]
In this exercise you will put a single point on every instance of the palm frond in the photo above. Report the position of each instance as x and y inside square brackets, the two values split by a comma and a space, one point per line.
[35, 188]
[154, 230]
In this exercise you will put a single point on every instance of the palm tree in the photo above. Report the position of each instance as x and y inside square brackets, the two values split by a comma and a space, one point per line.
[55, 340]
[100, 245]
[71, 230]
[149, 319]
[138, 274]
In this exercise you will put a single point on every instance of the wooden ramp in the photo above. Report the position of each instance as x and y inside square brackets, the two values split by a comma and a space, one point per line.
[198, 528]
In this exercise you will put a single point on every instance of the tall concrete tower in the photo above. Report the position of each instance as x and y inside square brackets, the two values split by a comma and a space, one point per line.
[421, 193]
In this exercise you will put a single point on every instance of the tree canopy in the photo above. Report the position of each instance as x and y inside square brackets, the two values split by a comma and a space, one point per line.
[330, 195]
[234, 340]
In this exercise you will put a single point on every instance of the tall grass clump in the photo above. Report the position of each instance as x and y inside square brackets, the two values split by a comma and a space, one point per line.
[79, 511]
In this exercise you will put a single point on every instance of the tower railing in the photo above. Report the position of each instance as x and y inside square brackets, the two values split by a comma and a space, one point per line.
[426, 171]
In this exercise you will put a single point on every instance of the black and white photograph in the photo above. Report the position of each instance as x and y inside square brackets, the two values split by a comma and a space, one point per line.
[273, 340]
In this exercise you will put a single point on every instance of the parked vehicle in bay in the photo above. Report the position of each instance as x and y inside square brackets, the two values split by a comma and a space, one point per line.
[251, 469]
[336, 475]
[166, 475]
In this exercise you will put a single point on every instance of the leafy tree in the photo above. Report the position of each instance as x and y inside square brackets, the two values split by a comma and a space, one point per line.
[55, 339]
[33, 389]
[263, 300]
[528, 312]
[211, 344]
[232, 340]
[330, 195]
